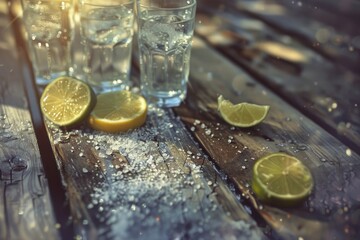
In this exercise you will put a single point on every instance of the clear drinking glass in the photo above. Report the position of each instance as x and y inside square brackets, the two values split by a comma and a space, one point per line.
[49, 27]
[107, 32]
[165, 35]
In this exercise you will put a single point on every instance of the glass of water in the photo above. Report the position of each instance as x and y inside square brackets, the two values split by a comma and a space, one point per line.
[49, 28]
[107, 32]
[165, 35]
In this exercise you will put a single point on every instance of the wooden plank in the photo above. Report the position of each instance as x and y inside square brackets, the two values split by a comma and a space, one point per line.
[150, 183]
[25, 206]
[191, 194]
[332, 209]
[334, 44]
[96, 176]
[313, 84]
[333, 14]
[347, 10]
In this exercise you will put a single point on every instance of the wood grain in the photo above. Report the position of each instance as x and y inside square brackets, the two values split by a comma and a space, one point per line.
[311, 83]
[337, 45]
[85, 169]
[207, 207]
[25, 206]
[332, 209]
[198, 177]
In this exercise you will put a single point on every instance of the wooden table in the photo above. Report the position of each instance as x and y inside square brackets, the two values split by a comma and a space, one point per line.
[186, 174]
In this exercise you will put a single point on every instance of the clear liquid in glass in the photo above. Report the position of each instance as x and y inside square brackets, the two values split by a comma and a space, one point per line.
[165, 46]
[107, 38]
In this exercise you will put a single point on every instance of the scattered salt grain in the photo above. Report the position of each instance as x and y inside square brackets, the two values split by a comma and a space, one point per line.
[197, 122]
[155, 189]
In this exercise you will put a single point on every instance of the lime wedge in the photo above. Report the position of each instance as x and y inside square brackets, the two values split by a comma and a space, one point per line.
[118, 111]
[67, 101]
[282, 180]
[242, 114]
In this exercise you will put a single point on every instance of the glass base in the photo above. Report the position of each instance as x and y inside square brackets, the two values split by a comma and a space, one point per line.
[165, 102]
[43, 81]
[108, 88]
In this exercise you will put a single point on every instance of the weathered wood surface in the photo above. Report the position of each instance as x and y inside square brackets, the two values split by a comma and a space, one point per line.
[152, 183]
[186, 174]
[314, 85]
[180, 195]
[331, 40]
[332, 211]
[343, 14]
[25, 205]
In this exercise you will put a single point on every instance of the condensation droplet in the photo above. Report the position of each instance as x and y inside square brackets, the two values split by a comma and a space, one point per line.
[302, 147]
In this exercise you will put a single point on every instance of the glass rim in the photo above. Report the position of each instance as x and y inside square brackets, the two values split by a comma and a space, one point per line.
[105, 5]
[26, 2]
[168, 8]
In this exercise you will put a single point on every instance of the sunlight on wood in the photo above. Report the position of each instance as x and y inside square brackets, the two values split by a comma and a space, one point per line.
[251, 25]
[281, 51]
[3, 7]
[206, 25]
[263, 7]
[204, 29]
[213, 27]
[222, 38]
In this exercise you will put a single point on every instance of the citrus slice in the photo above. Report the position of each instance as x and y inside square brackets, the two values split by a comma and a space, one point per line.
[67, 101]
[118, 111]
[242, 114]
[281, 180]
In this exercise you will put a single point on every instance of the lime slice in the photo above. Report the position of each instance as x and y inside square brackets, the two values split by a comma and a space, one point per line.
[67, 101]
[242, 114]
[118, 111]
[281, 180]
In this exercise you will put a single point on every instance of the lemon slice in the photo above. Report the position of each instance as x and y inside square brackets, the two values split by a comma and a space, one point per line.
[281, 180]
[67, 101]
[242, 114]
[118, 111]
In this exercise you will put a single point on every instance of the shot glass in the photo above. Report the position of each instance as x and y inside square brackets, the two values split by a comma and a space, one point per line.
[106, 34]
[165, 30]
[49, 28]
